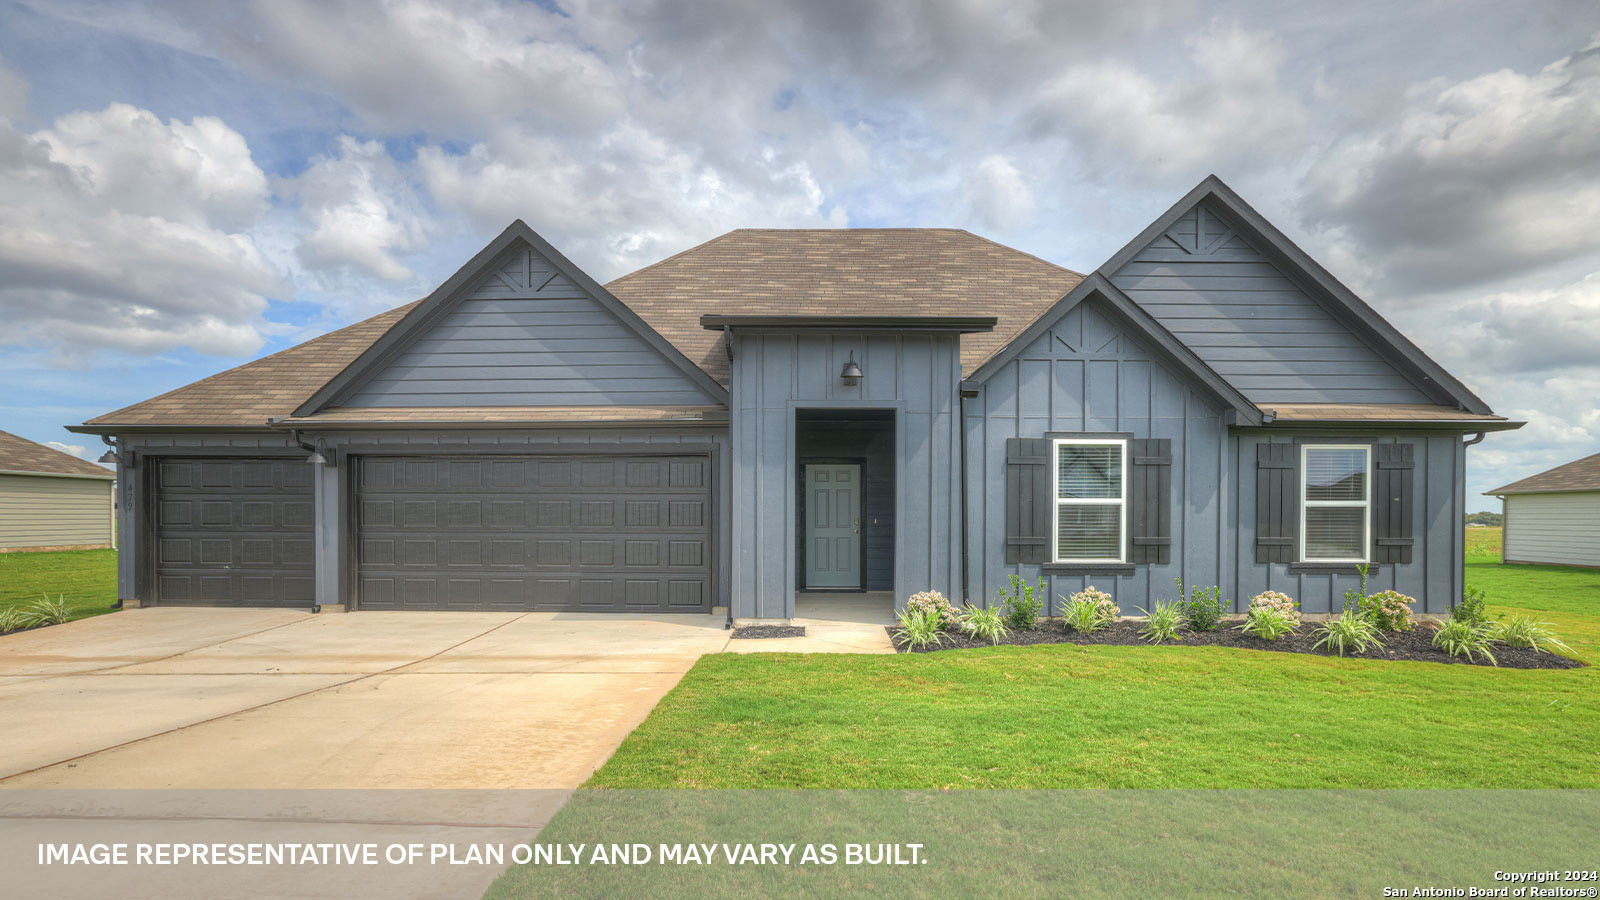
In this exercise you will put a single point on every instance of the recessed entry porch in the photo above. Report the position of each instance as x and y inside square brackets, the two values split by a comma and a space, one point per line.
[845, 477]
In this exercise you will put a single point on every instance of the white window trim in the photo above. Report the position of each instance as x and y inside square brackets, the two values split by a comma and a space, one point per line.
[1364, 504]
[1055, 511]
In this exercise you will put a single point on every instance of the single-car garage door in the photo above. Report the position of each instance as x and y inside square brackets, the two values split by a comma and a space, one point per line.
[234, 531]
[604, 533]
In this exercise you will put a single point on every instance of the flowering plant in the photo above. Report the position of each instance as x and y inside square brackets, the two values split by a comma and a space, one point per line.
[1389, 610]
[1283, 604]
[1105, 610]
[933, 603]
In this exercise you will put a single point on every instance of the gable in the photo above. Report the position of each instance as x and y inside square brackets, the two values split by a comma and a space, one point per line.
[1088, 371]
[1210, 284]
[525, 331]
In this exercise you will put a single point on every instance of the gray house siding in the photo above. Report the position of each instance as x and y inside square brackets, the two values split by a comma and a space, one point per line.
[1252, 323]
[1085, 375]
[526, 335]
[332, 487]
[774, 374]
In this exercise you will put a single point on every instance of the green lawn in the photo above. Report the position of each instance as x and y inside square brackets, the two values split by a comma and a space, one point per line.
[87, 578]
[1069, 716]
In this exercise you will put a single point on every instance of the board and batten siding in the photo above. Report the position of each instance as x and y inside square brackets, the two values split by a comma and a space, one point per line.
[774, 374]
[1559, 528]
[1086, 375]
[48, 511]
[1238, 311]
[526, 335]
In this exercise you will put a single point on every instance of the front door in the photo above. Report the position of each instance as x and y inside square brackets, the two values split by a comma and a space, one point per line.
[833, 526]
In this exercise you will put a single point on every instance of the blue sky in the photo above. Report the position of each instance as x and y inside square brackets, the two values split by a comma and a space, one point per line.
[186, 186]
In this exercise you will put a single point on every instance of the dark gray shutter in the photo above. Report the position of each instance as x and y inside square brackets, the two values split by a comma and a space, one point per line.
[1150, 499]
[1028, 500]
[1391, 503]
[1277, 501]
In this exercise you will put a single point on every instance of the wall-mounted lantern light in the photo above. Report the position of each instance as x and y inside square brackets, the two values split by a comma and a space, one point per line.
[317, 459]
[109, 458]
[851, 376]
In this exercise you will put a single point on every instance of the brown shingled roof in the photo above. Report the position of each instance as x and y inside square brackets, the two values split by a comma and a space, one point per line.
[1374, 412]
[1578, 475]
[466, 415]
[270, 387]
[854, 271]
[22, 455]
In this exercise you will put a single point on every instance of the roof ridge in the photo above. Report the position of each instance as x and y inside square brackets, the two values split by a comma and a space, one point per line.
[78, 465]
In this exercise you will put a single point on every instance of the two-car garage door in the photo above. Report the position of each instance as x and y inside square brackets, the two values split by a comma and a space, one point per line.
[620, 532]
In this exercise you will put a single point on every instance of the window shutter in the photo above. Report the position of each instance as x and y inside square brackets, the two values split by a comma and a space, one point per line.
[1277, 502]
[1028, 500]
[1391, 502]
[1150, 501]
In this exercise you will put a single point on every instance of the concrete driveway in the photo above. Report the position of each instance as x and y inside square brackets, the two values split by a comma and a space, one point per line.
[215, 698]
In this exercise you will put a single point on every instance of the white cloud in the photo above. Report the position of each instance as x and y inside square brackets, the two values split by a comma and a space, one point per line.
[1227, 109]
[624, 201]
[361, 212]
[77, 450]
[13, 93]
[997, 195]
[120, 231]
[1482, 178]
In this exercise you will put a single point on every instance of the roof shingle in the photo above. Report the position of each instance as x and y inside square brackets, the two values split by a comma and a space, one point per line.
[1578, 475]
[19, 454]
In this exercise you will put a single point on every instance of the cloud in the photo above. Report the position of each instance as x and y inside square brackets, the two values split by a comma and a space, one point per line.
[1521, 331]
[997, 195]
[1483, 178]
[1225, 110]
[13, 93]
[627, 200]
[120, 231]
[361, 212]
[77, 450]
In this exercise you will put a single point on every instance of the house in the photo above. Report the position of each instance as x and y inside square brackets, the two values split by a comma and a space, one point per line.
[51, 500]
[1553, 517]
[780, 412]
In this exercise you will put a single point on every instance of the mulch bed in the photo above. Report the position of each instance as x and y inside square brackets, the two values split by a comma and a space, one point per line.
[749, 632]
[1411, 645]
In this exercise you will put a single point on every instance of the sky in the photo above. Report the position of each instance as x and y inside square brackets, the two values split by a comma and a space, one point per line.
[186, 186]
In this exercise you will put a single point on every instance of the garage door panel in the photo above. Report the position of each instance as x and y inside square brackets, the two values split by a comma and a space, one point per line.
[234, 531]
[628, 532]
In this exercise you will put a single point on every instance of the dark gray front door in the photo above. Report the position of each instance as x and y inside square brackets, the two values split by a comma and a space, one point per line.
[604, 533]
[234, 531]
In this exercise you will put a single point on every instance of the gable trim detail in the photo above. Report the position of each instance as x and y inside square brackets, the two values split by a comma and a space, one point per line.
[1340, 301]
[436, 305]
[1130, 315]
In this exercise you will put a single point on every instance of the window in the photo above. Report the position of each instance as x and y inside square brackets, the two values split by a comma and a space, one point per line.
[1336, 493]
[1091, 520]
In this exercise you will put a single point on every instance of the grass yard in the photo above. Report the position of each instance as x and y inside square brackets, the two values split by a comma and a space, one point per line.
[1068, 716]
[87, 578]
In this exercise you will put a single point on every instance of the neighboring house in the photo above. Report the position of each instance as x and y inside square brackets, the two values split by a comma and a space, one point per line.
[776, 411]
[51, 500]
[1554, 516]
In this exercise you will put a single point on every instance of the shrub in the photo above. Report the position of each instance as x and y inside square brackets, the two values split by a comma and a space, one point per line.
[45, 611]
[983, 624]
[1162, 622]
[935, 604]
[919, 628]
[1089, 610]
[1022, 603]
[1203, 610]
[1350, 633]
[1268, 623]
[1460, 638]
[1389, 610]
[1473, 608]
[1524, 632]
[1354, 596]
[1282, 603]
[12, 619]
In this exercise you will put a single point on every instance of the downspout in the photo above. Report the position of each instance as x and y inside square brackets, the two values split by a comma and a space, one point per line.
[116, 490]
[966, 526]
[727, 346]
[1464, 445]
